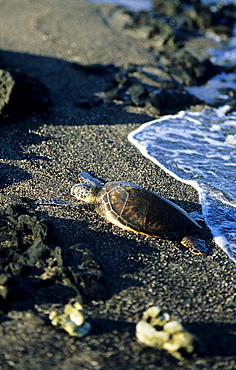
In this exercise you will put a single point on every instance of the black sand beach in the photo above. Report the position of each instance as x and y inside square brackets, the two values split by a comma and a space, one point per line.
[42, 153]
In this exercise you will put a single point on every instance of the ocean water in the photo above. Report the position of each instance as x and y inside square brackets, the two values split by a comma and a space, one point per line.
[131, 4]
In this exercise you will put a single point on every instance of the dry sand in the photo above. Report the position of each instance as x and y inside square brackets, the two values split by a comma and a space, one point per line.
[42, 38]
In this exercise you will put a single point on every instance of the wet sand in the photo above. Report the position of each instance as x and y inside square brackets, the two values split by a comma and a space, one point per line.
[43, 39]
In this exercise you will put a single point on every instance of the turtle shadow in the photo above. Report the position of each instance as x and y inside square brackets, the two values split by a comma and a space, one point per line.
[113, 255]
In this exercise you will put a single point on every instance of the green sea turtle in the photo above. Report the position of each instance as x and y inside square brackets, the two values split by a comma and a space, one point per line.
[135, 209]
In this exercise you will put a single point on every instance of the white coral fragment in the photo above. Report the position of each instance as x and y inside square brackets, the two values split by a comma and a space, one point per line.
[156, 330]
[72, 320]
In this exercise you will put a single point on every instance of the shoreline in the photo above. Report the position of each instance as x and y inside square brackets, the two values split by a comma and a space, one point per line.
[42, 156]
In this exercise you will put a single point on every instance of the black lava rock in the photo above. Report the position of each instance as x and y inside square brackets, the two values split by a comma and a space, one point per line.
[188, 70]
[21, 95]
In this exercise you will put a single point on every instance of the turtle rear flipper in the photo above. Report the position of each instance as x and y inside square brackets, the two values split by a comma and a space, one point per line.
[194, 244]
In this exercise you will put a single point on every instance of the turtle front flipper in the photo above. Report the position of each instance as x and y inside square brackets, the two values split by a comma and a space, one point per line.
[90, 180]
[64, 203]
[194, 244]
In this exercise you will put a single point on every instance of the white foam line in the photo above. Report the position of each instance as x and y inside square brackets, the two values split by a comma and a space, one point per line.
[143, 149]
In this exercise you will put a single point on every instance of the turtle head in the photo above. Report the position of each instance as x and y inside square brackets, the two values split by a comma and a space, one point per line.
[84, 192]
